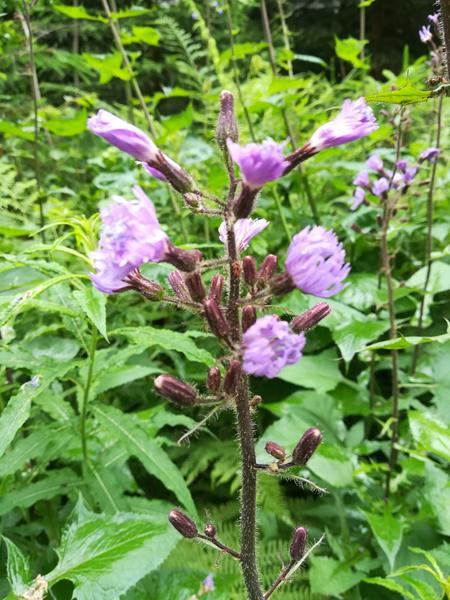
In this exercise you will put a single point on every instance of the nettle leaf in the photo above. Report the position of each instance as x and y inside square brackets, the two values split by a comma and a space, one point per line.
[78, 12]
[405, 95]
[354, 336]
[168, 340]
[93, 304]
[332, 464]
[393, 586]
[17, 568]
[330, 577]
[412, 340]
[350, 50]
[122, 374]
[388, 531]
[152, 456]
[105, 555]
[319, 372]
[429, 433]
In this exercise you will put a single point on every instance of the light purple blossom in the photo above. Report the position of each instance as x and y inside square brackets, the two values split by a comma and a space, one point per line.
[409, 175]
[429, 154]
[208, 584]
[269, 345]
[355, 120]
[259, 163]
[316, 262]
[402, 165]
[153, 172]
[123, 135]
[380, 187]
[375, 163]
[244, 231]
[130, 235]
[425, 34]
[362, 179]
[434, 18]
[359, 195]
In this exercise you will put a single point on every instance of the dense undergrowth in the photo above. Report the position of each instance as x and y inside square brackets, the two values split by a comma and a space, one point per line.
[89, 461]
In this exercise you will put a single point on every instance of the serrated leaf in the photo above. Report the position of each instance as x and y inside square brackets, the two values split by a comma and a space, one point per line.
[406, 342]
[105, 555]
[93, 304]
[17, 568]
[169, 340]
[430, 433]
[405, 95]
[350, 50]
[393, 586]
[152, 456]
[78, 12]
[388, 532]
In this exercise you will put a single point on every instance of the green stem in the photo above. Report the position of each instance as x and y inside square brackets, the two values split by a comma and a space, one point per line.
[282, 217]
[87, 388]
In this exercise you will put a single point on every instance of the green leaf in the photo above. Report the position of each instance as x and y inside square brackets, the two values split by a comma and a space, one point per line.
[169, 340]
[154, 459]
[393, 586]
[365, 3]
[439, 280]
[353, 337]
[406, 342]
[93, 304]
[331, 578]
[105, 555]
[242, 50]
[332, 464]
[437, 492]
[405, 95]
[319, 372]
[67, 127]
[57, 483]
[107, 66]
[350, 50]
[388, 531]
[148, 35]
[78, 12]
[122, 374]
[17, 567]
[430, 434]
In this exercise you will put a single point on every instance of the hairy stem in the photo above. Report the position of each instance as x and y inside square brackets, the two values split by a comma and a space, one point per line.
[429, 237]
[86, 391]
[445, 17]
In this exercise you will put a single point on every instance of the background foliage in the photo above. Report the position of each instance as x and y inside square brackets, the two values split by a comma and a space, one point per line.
[89, 461]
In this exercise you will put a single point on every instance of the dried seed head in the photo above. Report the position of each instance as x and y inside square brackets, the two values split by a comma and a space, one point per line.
[183, 524]
[275, 450]
[306, 446]
[298, 544]
[311, 317]
[176, 390]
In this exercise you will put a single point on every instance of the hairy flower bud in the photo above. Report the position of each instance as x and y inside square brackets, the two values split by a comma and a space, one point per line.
[282, 284]
[306, 446]
[298, 544]
[192, 200]
[248, 317]
[232, 377]
[245, 202]
[195, 286]
[216, 319]
[216, 287]
[267, 269]
[183, 524]
[227, 127]
[214, 378]
[249, 268]
[210, 530]
[275, 450]
[311, 317]
[148, 288]
[177, 283]
[184, 260]
[176, 390]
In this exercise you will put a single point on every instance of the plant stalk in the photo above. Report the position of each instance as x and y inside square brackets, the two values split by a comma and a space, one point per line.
[445, 18]
[86, 391]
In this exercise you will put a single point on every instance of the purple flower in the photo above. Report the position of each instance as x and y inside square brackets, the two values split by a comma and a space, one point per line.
[244, 231]
[434, 18]
[362, 179]
[130, 235]
[269, 345]
[208, 584]
[316, 262]
[380, 187]
[152, 171]
[355, 120]
[375, 163]
[429, 154]
[425, 34]
[123, 135]
[259, 163]
[359, 195]
[409, 175]
[402, 165]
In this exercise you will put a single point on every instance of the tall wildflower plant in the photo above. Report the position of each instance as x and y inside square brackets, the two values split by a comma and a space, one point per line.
[235, 306]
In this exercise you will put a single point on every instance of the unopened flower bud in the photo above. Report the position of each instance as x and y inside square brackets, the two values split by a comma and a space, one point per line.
[210, 530]
[192, 200]
[282, 284]
[183, 524]
[185, 260]
[176, 390]
[216, 287]
[195, 286]
[248, 317]
[226, 124]
[311, 317]
[214, 378]
[172, 172]
[255, 401]
[245, 202]
[275, 450]
[306, 446]
[232, 377]
[216, 319]
[146, 287]
[176, 281]
[298, 544]
[249, 268]
[267, 269]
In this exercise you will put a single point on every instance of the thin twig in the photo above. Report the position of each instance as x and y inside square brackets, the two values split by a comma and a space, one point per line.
[198, 425]
[219, 545]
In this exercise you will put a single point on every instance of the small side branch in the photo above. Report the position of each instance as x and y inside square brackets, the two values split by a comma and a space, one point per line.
[219, 545]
